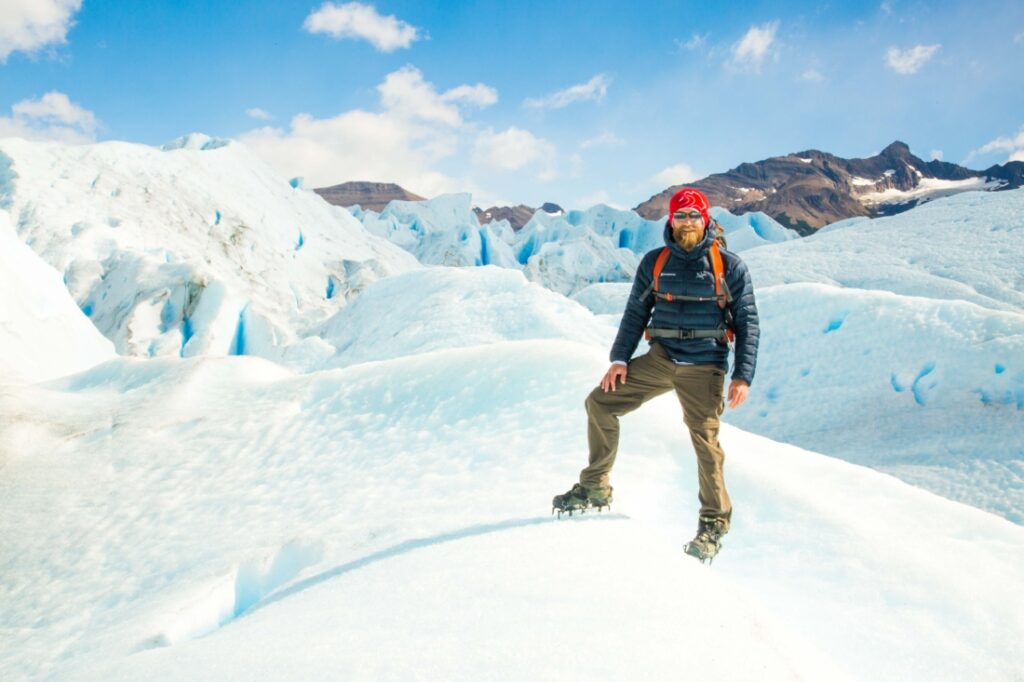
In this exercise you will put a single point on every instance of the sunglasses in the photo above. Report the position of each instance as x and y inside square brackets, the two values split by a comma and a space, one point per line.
[687, 215]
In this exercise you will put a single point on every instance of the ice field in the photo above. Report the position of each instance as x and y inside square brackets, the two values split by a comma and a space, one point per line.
[364, 492]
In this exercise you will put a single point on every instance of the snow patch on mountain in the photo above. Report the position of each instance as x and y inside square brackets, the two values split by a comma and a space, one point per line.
[928, 189]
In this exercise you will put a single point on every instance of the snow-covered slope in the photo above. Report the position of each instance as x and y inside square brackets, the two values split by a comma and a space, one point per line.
[43, 335]
[968, 247]
[908, 332]
[439, 308]
[199, 248]
[228, 520]
[930, 390]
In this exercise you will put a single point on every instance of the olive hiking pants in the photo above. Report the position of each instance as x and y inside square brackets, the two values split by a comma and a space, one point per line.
[700, 391]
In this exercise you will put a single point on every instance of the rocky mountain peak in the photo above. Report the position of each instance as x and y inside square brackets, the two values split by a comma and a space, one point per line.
[897, 150]
[371, 196]
[810, 189]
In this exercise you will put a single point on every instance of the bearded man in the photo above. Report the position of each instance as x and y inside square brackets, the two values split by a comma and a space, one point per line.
[697, 298]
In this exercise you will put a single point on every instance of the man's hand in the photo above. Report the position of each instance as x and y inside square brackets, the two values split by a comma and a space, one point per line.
[614, 372]
[738, 390]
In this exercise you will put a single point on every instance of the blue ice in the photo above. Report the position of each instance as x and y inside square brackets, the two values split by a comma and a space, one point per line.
[238, 343]
[7, 176]
[835, 323]
[186, 334]
[918, 389]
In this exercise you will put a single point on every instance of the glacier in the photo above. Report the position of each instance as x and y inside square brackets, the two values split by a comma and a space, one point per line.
[364, 492]
[172, 252]
[563, 252]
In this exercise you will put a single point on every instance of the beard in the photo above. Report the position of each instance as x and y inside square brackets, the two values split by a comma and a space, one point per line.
[688, 239]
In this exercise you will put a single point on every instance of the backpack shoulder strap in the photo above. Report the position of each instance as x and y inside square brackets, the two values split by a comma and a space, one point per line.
[722, 292]
[659, 265]
[719, 271]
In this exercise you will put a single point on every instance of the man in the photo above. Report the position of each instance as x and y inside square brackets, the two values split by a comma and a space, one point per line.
[691, 323]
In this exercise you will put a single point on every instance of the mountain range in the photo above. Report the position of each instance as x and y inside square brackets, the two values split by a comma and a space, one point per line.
[811, 189]
[802, 191]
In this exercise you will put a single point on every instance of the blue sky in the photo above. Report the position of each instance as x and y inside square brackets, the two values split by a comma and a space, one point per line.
[521, 102]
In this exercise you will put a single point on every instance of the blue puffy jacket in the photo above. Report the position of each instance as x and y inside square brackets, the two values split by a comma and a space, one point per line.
[691, 274]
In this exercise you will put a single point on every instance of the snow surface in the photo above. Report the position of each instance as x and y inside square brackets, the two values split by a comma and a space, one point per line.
[38, 318]
[967, 247]
[441, 308]
[220, 518]
[199, 249]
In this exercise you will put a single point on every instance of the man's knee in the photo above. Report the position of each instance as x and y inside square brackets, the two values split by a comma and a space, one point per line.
[705, 424]
[601, 402]
[593, 403]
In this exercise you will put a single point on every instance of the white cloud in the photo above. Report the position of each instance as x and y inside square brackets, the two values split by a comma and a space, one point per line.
[695, 42]
[28, 25]
[258, 114]
[911, 60]
[936, 155]
[886, 7]
[593, 90]
[812, 75]
[511, 149]
[406, 94]
[1013, 146]
[1019, 38]
[481, 95]
[356, 20]
[750, 51]
[356, 145]
[416, 128]
[51, 117]
[605, 139]
[678, 174]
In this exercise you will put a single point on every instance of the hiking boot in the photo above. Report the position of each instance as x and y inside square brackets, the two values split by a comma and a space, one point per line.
[708, 540]
[579, 499]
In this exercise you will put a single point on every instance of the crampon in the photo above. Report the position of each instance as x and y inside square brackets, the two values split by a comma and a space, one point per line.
[579, 499]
